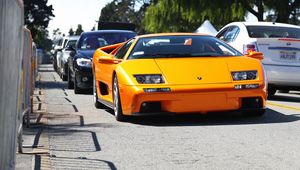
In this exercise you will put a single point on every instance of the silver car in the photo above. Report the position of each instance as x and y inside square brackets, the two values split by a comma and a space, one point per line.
[63, 55]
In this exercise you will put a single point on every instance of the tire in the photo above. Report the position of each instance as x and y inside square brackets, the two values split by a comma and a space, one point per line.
[77, 90]
[97, 104]
[69, 80]
[54, 66]
[255, 113]
[116, 101]
[64, 77]
[271, 91]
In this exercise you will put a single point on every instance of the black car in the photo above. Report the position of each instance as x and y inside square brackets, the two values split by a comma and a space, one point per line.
[80, 61]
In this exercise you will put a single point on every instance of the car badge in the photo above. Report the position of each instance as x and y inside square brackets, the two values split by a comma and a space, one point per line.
[288, 43]
[199, 78]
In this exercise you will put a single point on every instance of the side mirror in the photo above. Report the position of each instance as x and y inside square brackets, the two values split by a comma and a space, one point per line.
[221, 38]
[256, 55]
[109, 60]
[70, 48]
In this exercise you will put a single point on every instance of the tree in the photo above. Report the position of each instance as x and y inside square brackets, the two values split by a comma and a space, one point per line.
[71, 32]
[79, 29]
[284, 11]
[37, 15]
[127, 11]
[187, 15]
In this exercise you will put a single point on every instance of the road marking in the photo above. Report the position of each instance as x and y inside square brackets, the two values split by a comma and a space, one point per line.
[283, 106]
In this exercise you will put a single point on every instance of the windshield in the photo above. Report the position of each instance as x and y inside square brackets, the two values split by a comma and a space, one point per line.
[96, 40]
[273, 32]
[71, 43]
[181, 46]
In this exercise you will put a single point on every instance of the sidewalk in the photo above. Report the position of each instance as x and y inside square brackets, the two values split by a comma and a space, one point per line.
[58, 137]
[35, 140]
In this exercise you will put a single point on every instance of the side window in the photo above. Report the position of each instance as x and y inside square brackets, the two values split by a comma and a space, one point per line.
[229, 34]
[222, 34]
[123, 50]
[64, 43]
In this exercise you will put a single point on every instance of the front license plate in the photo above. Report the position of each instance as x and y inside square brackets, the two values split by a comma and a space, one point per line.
[288, 56]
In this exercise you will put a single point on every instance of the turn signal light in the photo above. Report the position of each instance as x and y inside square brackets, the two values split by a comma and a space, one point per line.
[151, 90]
[246, 86]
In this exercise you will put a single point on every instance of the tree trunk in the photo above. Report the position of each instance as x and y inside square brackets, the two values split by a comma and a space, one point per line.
[260, 10]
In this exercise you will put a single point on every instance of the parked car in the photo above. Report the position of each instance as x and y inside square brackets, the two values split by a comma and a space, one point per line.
[80, 63]
[280, 44]
[57, 47]
[62, 57]
[177, 73]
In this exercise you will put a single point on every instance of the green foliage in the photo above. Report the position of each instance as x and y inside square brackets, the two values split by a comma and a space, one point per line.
[37, 15]
[187, 15]
[79, 29]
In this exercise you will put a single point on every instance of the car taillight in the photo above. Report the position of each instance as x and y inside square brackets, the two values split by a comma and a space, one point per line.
[247, 48]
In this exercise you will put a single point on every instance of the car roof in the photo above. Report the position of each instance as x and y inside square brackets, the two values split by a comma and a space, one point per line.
[261, 23]
[108, 31]
[73, 37]
[171, 34]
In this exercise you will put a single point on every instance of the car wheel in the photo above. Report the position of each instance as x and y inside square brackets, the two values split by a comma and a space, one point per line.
[64, 77]
[97, 104]
[77, 90]
[116, 101]
[54, 66]
[271, 91]
[255, 113]
[70, 82]
[64, 74]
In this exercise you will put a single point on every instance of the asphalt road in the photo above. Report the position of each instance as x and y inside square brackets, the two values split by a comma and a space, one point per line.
[83, 137]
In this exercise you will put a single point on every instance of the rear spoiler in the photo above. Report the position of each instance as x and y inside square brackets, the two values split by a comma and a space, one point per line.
[115, 26]
[111, 49]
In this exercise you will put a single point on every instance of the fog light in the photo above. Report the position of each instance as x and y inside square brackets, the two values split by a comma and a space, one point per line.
[246, 86]
[150, 90]
[84, 79]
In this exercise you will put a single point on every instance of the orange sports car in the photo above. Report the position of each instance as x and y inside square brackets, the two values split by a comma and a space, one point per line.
[177, 73]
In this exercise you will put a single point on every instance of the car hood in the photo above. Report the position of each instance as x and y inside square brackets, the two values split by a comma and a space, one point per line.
[194, 70]
[85, 53]
[191, 71]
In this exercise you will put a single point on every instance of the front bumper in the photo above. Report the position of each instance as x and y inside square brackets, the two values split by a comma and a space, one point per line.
[84, 77]
[191, 99]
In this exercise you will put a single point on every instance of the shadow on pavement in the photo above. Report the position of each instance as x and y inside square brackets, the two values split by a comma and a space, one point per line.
[279, 97]
[213, 119]
[75, 163]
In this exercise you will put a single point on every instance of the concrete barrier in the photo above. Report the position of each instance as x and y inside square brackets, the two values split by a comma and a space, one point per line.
[11, 51]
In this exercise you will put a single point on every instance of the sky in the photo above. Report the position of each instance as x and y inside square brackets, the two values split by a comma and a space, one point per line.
[70, 13]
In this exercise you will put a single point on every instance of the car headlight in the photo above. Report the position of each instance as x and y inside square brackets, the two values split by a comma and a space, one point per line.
[84, 62]
[149, 78]
[244, 75]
